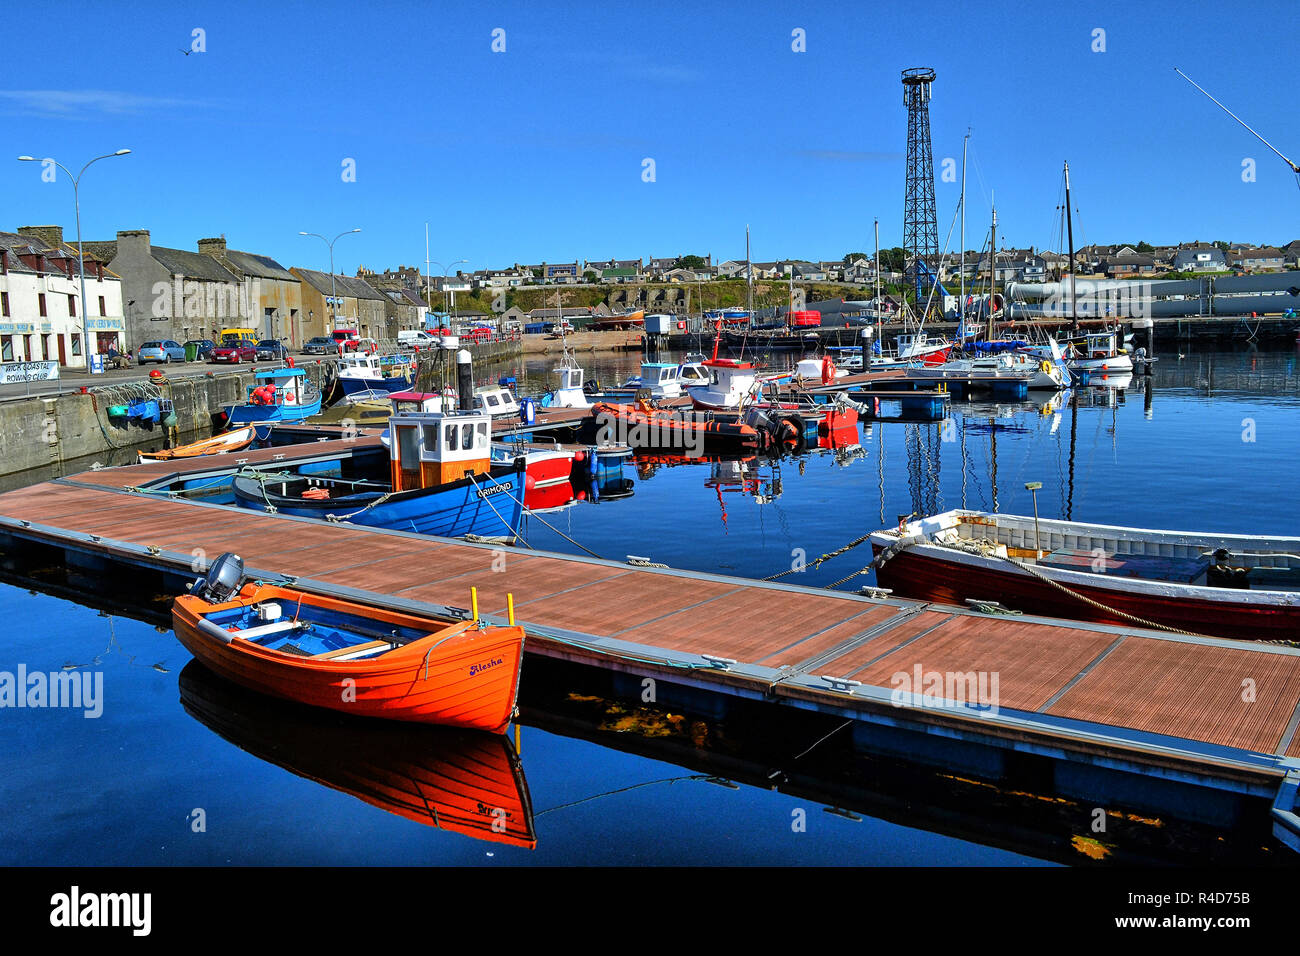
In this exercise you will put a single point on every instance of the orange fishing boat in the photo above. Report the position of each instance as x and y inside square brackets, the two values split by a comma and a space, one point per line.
[644, 426]
[236, 440]
[349, 657]
[464, 781]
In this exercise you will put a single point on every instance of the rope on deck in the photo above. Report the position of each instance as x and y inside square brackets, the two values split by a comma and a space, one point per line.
[987, 548]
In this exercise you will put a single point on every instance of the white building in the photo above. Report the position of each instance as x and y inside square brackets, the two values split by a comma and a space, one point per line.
[41, 314]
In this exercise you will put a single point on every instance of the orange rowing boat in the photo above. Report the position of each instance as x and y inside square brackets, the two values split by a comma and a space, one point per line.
[236, 440]
[349, 657]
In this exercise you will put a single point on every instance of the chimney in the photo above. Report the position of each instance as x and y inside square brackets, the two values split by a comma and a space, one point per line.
[213, 247]
[135, 239]
[52, 236]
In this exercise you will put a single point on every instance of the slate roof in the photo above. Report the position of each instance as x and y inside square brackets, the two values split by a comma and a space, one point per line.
[263, 267]
[349, 286]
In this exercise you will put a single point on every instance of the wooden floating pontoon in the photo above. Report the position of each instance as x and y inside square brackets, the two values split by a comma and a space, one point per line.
[1117, 712]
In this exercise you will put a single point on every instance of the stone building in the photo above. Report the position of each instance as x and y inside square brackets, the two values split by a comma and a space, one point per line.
[276, 292]
[174, 294]
[354, 305]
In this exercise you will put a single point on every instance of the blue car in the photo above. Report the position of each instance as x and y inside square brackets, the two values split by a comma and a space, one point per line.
[163, 351]
[272, 349]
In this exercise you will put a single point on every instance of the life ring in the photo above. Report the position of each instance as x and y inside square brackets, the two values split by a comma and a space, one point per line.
[828, 370]
[1046, 366]
[288, 360]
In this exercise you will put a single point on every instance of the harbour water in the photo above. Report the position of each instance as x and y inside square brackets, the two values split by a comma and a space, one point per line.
[1208, 442]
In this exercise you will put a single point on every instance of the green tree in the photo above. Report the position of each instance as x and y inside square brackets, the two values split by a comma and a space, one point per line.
[893, 259]
[689, 262]
[854, 256]
[1145, 248]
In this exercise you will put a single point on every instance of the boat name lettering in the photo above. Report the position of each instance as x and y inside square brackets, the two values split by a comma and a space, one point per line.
[492, 490]
[484, 665]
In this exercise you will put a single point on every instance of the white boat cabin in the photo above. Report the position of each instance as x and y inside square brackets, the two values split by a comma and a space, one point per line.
[731, 384]
[662, 378]
[570, 393]
[363, 365]
[497, 401]
[429, 449]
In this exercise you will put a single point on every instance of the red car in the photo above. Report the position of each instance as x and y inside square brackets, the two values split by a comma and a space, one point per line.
[243, 350]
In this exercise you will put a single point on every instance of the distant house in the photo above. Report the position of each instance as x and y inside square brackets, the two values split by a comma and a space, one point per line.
[1263, 259]
[807, 271]
[1120, 266]
[1202, 259]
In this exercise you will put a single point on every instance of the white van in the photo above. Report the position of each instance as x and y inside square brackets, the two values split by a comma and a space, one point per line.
[415, 338]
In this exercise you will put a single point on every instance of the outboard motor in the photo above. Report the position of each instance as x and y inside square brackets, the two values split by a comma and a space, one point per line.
[224, 578]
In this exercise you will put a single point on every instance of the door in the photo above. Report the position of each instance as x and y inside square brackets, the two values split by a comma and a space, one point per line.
[63, 355]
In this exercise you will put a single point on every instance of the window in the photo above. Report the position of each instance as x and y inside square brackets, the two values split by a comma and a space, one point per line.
[101, 306]
[40, 300]
[72, 304]
[6, 348]
[481, 428]
[4, 303]
[466, 436]
[76, 344]
[449, 437]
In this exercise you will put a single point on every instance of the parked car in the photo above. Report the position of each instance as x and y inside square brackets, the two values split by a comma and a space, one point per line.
[202, 347]
[341, 338]
[319, 345]
[162, 351]
[240, 350]
[415, 338]
[272, 349]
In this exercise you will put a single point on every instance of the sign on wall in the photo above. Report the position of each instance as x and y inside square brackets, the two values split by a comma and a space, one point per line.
[11, 372]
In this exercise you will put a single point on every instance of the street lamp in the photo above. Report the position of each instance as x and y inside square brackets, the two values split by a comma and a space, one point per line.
[330, 244]
[81, 259]
[446, 270]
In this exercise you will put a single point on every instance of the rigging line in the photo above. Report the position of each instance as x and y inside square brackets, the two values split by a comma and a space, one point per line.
[634, 786]
[1294, 168]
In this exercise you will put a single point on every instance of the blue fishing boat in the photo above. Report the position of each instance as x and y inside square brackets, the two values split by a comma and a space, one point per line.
[277, 395]
[439, 479]
[360, 372]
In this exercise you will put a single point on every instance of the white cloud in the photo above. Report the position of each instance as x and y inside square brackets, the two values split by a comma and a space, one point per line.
[78, 104]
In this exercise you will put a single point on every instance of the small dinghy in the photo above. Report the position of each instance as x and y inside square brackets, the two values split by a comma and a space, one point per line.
[349, 657]
[236, 440]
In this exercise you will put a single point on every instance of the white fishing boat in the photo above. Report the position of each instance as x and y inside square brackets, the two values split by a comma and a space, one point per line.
[1100, 353]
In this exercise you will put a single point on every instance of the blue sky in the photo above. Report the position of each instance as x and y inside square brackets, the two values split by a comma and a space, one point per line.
[537, 153]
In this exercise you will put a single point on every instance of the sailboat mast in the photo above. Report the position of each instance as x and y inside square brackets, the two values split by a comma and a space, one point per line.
[1069, 233]
[877, 316]
[993, 272]
[961, 304]
[749, 280]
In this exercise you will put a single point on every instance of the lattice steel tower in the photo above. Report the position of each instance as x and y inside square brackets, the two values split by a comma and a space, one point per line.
[920, 222]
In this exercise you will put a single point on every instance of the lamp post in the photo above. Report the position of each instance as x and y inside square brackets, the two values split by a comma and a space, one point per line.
[446, 270]
[81, 259]
[330, 244]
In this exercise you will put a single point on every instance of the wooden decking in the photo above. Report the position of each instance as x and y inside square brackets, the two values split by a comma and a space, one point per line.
[1124, 698]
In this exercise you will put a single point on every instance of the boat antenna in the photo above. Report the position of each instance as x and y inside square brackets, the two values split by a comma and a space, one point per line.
[1294, 168]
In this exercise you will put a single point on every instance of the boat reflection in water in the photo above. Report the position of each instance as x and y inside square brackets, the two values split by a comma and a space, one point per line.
[464, 781]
